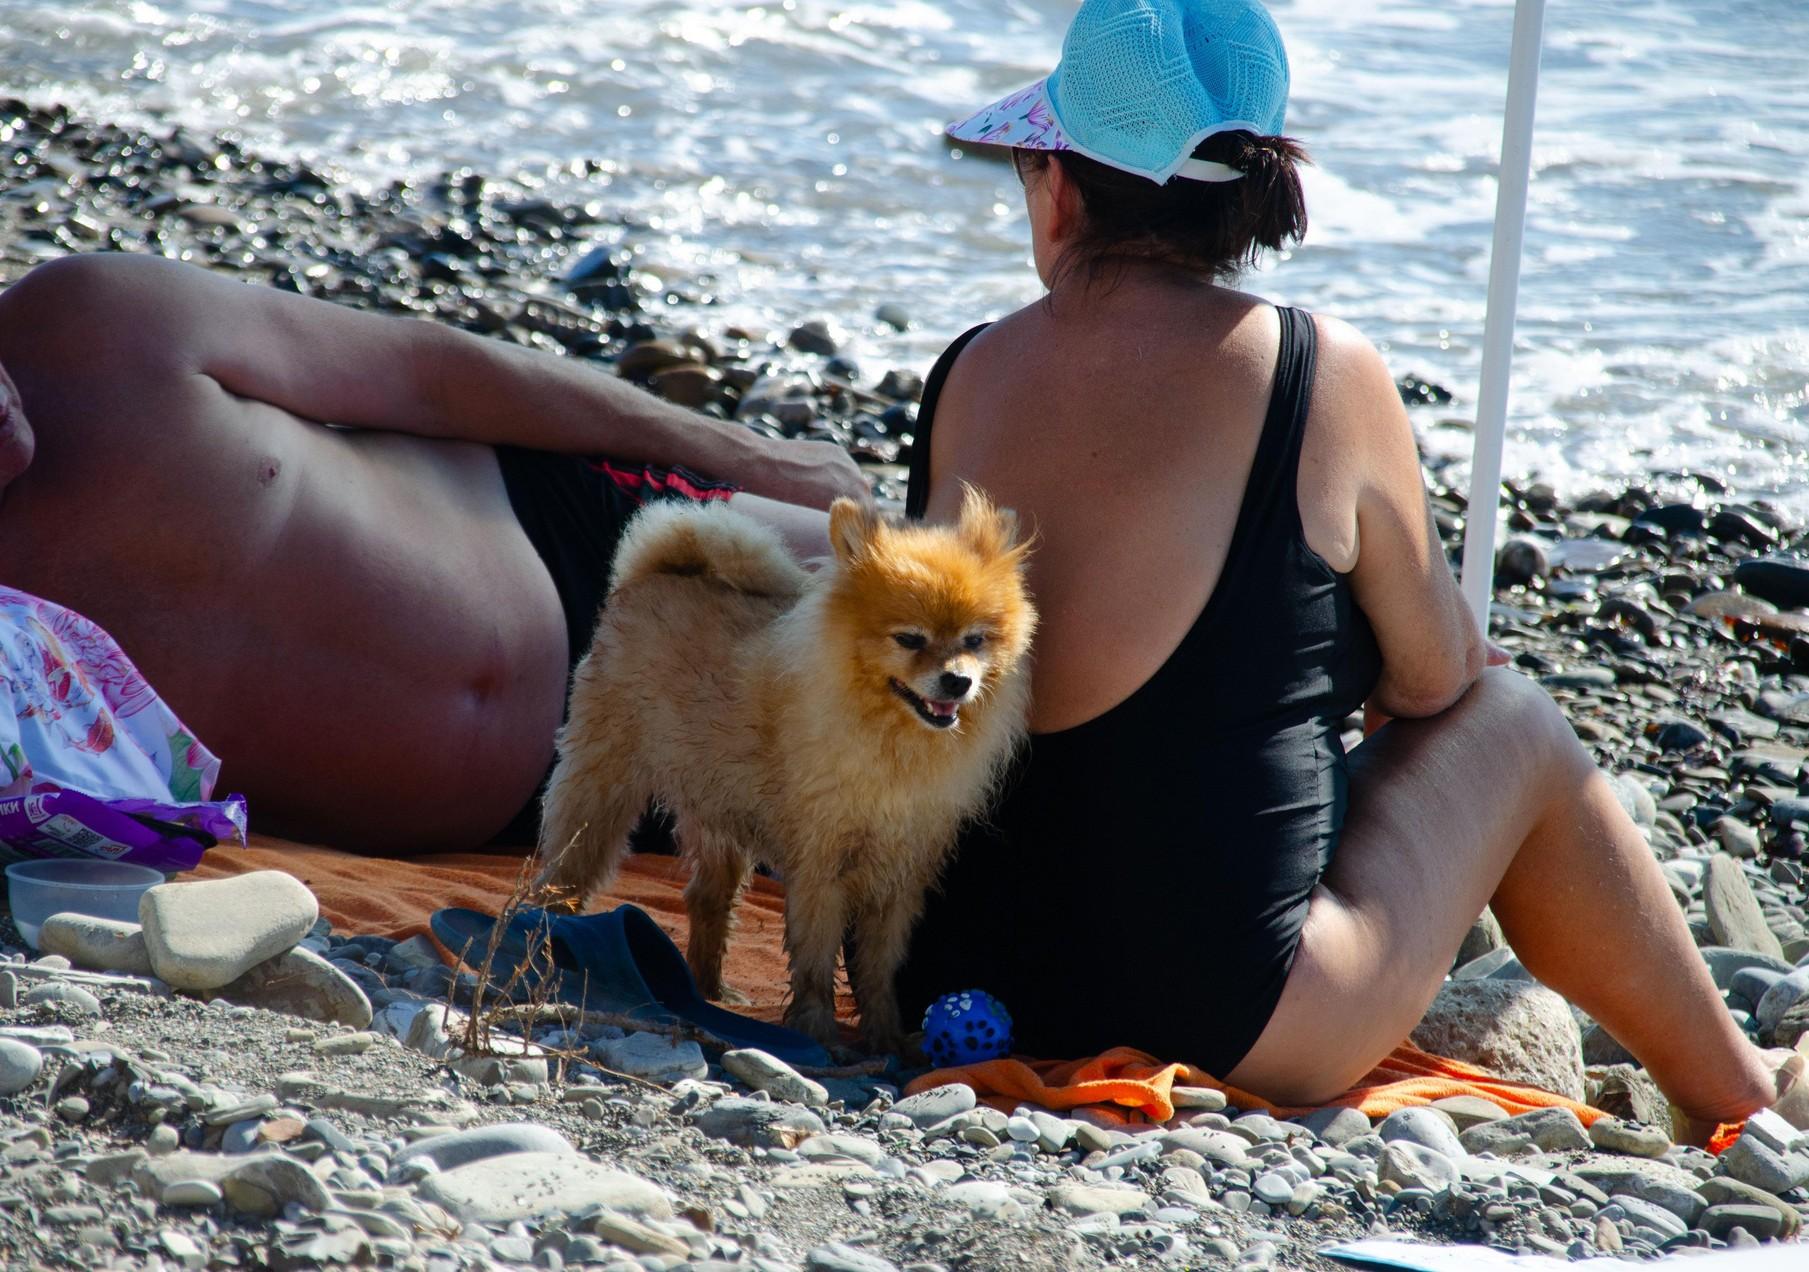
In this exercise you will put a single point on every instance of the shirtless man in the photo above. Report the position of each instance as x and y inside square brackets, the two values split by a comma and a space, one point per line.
[352, 617]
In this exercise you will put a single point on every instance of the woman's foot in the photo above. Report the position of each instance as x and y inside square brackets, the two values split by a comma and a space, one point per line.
[1789, 1073]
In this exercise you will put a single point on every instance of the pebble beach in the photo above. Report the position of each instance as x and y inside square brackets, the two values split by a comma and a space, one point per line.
[302, 1097]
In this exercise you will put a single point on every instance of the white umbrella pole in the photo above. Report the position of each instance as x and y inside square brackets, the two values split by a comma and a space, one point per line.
[1498, 326]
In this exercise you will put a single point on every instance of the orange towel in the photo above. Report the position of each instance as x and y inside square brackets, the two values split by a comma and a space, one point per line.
[1138, 1082]
[394, 896]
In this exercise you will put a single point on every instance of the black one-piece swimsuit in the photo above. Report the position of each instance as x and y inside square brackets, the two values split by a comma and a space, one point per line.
[1143, 877]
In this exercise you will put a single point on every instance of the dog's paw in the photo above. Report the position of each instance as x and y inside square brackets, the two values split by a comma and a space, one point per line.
[887, 1042]
[729, 996]
[817, 1022]
[911, 1053]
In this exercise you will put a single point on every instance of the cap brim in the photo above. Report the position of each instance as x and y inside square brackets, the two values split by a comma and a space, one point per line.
[1023, 119]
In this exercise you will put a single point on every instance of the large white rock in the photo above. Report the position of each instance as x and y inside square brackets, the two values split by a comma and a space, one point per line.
[1515, 1029]
[105, 945]
[500, 1190]
[208, 934]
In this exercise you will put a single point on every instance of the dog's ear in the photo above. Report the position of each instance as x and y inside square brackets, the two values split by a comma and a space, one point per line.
[851, 529]
[992, 531]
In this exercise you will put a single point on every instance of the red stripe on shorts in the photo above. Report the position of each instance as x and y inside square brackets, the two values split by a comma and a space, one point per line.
[649, 482]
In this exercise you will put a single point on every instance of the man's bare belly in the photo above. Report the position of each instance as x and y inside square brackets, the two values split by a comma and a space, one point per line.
[353, 621]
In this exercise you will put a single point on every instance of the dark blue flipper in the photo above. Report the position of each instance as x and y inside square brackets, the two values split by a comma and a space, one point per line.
[619, 961]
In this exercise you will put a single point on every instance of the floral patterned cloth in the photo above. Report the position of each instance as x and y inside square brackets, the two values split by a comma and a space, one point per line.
[77, 719]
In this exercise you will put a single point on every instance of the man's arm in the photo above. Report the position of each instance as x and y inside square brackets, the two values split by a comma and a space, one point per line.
[339, 365]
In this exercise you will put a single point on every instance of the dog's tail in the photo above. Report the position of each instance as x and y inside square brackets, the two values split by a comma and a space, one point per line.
[707, 539]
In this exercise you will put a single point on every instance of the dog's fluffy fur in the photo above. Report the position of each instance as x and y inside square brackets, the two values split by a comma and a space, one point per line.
[839, 727]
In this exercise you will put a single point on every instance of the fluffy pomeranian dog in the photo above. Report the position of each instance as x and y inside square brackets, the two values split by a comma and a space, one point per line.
[838, 726]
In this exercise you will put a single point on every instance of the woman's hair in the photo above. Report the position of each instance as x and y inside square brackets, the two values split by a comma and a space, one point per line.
[1218, 227]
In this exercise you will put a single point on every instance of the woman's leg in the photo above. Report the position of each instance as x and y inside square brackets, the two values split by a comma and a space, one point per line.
[1495, 801]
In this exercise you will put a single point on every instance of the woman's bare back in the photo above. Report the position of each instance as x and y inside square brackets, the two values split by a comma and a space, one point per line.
[1129, 449]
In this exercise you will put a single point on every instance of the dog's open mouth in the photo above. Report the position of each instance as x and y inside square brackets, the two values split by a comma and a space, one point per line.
[934, 712]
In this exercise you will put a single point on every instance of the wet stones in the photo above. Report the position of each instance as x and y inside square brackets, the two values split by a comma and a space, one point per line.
[1521, 560]
[644, 360]
[815, 336]
[1782, 579]
[893, 315]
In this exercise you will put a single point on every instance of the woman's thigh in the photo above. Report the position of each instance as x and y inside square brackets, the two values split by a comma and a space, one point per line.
[1438, 808]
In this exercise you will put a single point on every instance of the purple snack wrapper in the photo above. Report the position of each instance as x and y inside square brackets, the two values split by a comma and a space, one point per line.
[92, 762]
[51, 822]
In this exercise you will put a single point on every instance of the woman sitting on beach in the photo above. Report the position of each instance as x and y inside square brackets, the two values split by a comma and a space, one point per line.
[1234, 552]
[374, 623]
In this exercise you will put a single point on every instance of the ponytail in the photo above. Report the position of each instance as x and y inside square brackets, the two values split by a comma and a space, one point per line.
[1217, 227]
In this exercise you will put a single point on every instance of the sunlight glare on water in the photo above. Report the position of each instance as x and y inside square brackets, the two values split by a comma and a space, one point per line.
[788, 154]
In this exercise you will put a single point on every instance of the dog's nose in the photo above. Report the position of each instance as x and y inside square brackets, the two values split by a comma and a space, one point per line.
[954, 686]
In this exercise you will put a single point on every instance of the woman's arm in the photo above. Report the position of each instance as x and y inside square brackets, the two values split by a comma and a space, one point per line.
[1431, 648]
[339, 365]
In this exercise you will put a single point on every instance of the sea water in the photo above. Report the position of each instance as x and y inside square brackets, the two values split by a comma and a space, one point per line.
[788, 153]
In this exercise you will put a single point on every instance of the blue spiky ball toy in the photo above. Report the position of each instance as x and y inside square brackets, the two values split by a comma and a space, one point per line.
[966, 1027]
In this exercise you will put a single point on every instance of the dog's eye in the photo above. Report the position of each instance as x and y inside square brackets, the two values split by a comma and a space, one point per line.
[911, 640]
[974, 640]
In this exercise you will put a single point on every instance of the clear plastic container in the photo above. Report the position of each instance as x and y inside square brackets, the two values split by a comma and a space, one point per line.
[36, 890]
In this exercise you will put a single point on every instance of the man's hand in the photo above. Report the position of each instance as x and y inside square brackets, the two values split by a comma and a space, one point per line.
[16, 441]
[813, 474]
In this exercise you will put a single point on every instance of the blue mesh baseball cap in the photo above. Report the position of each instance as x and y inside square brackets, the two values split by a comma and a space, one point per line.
[1141, 83]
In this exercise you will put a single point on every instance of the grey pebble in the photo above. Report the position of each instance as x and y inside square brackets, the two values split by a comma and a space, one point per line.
[192, 1192]
[444, 1152]
[1426, 1127]
[938, 1104]
[66, 1000]
[20, 1064]
[837, 1257]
